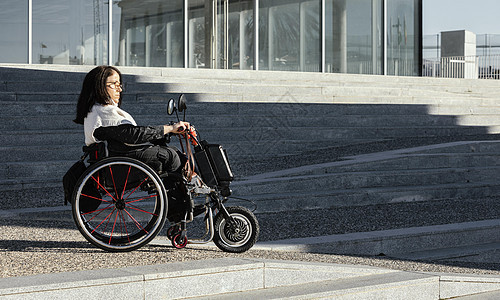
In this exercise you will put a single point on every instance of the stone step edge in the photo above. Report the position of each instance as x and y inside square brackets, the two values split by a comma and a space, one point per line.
[246, 277]
[388, 242]
[361, 158]
[449, 253]
[56, 182]
[181, 74]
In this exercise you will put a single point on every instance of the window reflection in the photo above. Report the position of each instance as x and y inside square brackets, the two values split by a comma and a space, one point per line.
[69, 32]
[13, 31]
[149, 33]
[403, 42]
[354, 36]
[219, 34]
[289, 36]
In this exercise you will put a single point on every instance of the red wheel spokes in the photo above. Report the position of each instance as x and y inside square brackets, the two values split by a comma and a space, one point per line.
[100, 185]
[99, 211]
[107, 218]
[126, 180]
[113, 230]
[124, 226]
[141, 210]
[135, 221]
[92, 197]
[113, 179]
[140, 199]
[135, 188]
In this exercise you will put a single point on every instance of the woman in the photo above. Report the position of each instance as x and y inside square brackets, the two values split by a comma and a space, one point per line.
[98, 109]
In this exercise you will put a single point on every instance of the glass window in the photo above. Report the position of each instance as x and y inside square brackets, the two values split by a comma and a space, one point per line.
[199, 24]
[353, 36]
[403, 37]
[148, 33]
[69, 32]
[221, 34]
[14, 31]
[289, 35]
[241, 36]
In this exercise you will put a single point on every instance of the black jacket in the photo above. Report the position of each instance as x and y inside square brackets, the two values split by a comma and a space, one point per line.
[128, 138]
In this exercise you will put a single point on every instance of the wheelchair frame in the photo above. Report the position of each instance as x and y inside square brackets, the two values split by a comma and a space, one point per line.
[121, 204]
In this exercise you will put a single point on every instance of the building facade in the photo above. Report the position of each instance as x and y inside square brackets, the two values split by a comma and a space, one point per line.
[340, 36]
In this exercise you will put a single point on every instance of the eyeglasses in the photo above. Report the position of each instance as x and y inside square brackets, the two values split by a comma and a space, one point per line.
[115, 85]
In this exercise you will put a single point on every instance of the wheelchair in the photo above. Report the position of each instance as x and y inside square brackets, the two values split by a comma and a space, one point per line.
[120, 204]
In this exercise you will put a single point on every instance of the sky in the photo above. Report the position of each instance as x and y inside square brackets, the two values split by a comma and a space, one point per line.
[478, 16]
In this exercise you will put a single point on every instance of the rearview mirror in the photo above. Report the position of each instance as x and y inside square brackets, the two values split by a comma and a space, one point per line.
[181, 106]
[182, 103]
[171, 106]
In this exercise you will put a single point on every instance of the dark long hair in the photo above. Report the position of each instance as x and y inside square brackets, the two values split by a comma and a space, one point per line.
[94, 91]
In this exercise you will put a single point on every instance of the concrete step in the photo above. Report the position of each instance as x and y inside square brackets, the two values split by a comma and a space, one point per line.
[397, 285]
[370, 179]
[415, 162]
[43, 137]
[27, 84]
[443, 155]
[157, 106]
[279, 201]
[249, 279]
[290, 96]
[480, 296]
[466, 253]
[45, 96]
[179, 75]
[204, 122]
[395, 242]
[265, 132]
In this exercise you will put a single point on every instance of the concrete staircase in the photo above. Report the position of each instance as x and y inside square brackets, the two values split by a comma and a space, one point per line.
[276, 122]
[454, 170]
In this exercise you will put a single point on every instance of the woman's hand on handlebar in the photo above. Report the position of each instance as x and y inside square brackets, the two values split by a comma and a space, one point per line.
[175, 128]
[180, 127]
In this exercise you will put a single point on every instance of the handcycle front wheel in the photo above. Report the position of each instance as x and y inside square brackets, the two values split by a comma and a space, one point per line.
[119, 204]
[238, 236]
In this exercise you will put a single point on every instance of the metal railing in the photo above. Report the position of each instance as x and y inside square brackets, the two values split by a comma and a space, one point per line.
[470, 67]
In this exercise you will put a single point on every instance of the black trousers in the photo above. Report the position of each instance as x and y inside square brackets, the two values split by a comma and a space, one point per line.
[160, 158]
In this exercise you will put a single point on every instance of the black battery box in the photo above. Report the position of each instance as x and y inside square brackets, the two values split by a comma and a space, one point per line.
[213, 165]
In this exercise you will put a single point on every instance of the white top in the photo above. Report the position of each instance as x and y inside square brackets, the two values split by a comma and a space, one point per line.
[103, 116]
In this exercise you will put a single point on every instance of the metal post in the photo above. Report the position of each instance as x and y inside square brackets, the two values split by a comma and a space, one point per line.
[302, 37]
[384, 37]
[30, 32]
[256, 35]
[110, 32]
[323, 37]
[186, 34]
[226, 34]
[215, 31]
[148, 42]
[270, 36]
[374, 37]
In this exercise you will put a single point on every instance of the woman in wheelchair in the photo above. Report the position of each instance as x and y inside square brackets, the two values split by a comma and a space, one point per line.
[98, 110]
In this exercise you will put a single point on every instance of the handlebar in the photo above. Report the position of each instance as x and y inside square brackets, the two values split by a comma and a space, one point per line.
[190, 134]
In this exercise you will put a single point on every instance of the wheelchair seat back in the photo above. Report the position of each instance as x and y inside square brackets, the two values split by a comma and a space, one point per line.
[96, 151]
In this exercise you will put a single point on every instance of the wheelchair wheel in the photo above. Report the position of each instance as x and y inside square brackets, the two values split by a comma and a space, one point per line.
[129, 204]
[237, 237]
